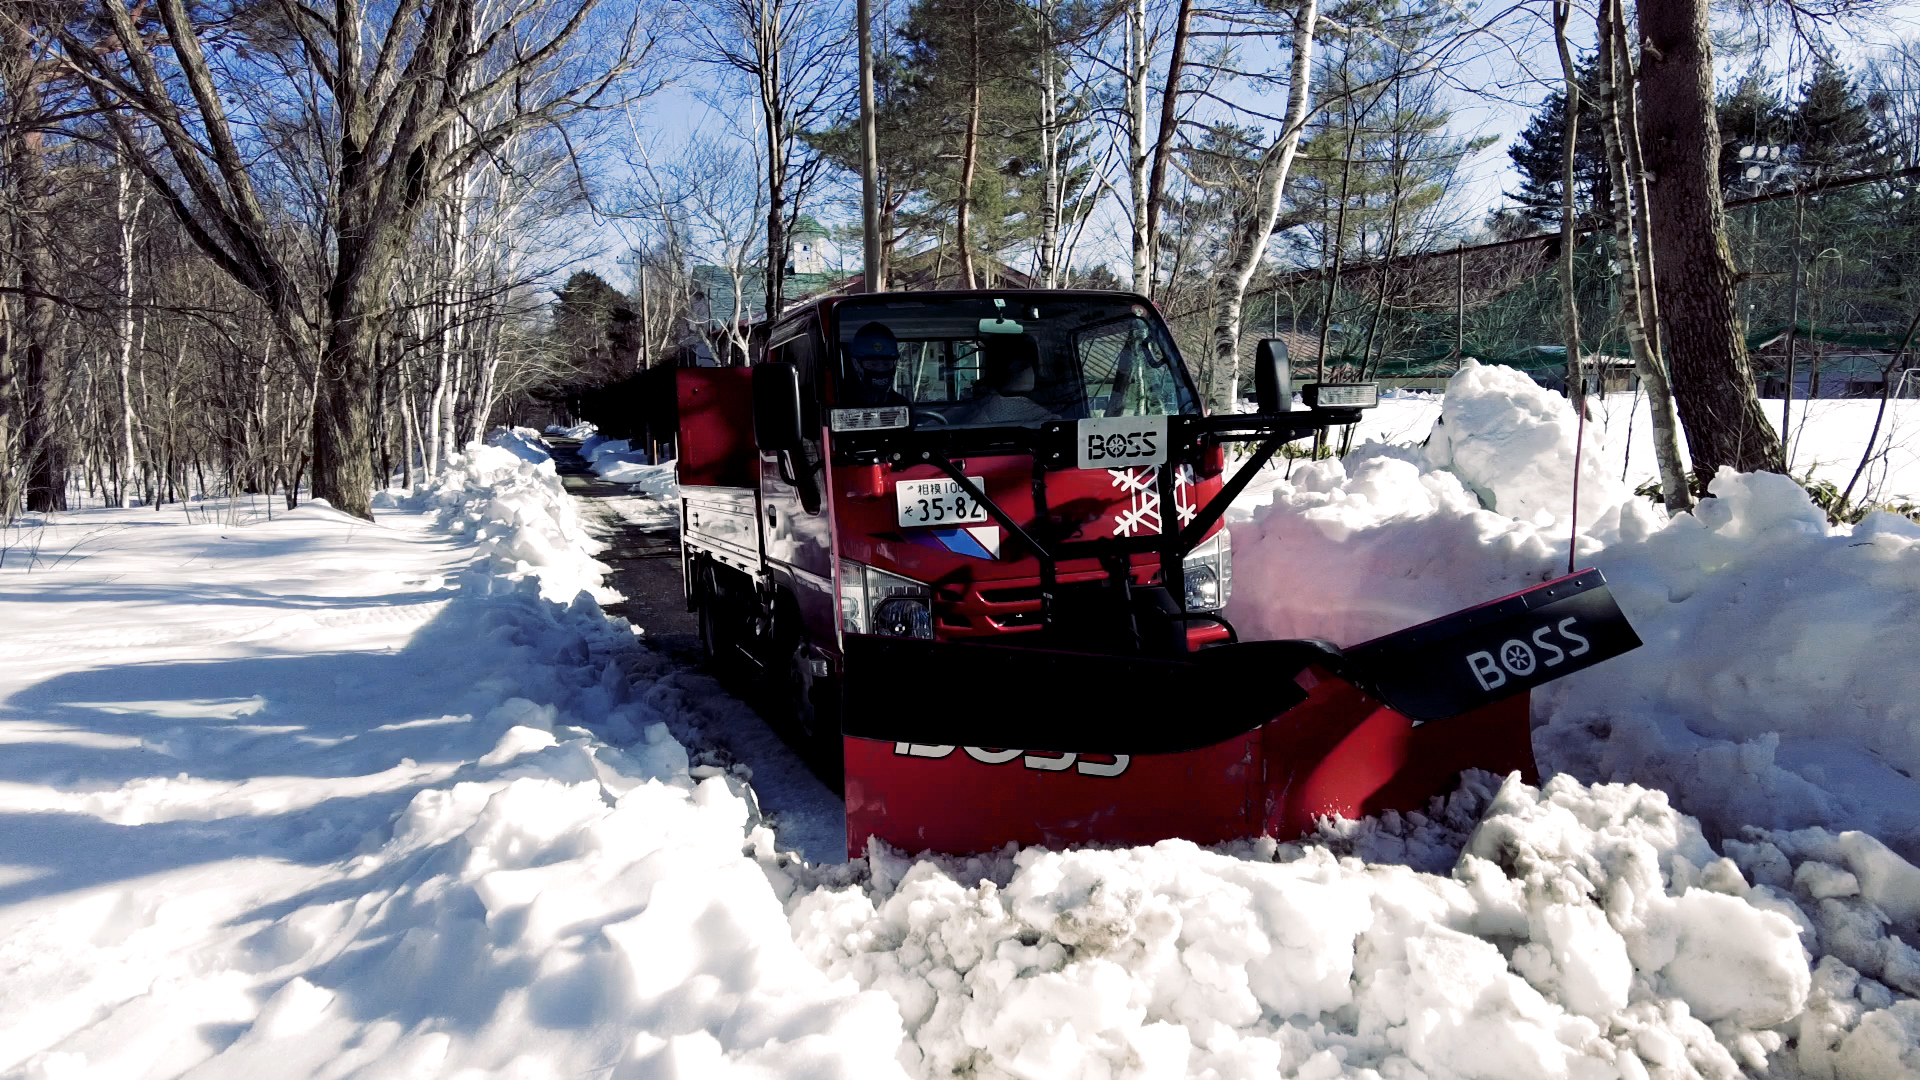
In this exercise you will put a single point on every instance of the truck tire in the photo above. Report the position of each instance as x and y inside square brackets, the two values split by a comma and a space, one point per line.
[809, 704]
[717, 636]
[812, 706]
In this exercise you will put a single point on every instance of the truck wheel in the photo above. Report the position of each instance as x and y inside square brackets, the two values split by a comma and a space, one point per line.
[813, 705]
[715, 640]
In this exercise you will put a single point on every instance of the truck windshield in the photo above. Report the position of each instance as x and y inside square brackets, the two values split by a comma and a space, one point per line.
[1017, 360]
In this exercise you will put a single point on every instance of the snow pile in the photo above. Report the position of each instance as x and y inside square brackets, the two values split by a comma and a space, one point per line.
[1583, 932]
[1350, 549]
[582, 430]
[1511, 441]
[660, 481]
[1774, 697]
[623, 463]
[519, 515]
[1777, 686]
[523, 443]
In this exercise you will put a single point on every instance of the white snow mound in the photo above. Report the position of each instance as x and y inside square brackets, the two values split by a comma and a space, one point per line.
[1583, 932]
[523, 443]
[521, 517]
[1512, 441]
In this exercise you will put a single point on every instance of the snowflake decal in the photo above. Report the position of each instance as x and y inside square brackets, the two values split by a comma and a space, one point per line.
[1142, 488]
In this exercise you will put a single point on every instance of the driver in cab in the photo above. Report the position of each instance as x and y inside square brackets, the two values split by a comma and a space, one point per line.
[874, 355]
[1009, 376]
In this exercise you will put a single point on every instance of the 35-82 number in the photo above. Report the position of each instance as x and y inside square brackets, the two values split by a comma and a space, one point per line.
[933, 511]
[937, 503]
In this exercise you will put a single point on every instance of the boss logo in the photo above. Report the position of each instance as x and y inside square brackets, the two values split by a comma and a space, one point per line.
[1111, 442]
[1521, 658]
[1039, 762]
[1120, 446]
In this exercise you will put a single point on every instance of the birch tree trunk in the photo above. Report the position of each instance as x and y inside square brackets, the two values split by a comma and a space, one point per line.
[1250, 243]
[970, 152]
[1169, 118]
[1137, 162]
[435, 408]
[1050, 208]
[1630, 293]
[1570, 126]
[127, 203]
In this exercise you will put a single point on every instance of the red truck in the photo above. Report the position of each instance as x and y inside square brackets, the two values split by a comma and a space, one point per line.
[976, 539]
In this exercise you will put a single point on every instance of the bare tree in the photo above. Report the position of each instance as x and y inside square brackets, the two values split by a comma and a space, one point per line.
[27, 406]
[395, 101]
[721, 208]
[794, 57]
[1712, 379]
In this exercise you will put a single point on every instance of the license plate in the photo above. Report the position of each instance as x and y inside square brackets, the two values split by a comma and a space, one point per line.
[938, 503]
[1120, 442]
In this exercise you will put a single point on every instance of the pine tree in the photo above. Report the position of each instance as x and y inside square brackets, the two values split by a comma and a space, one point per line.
[1536, 153]
[967, 68]
[1832, 131]
[596, 329]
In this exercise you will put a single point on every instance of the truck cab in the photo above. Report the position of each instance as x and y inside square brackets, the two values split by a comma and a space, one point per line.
[1057, 406]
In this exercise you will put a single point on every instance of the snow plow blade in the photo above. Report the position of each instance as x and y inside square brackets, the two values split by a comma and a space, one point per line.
[1235, 741]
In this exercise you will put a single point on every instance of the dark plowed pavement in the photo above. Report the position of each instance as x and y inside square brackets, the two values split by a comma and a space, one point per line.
[645, 561]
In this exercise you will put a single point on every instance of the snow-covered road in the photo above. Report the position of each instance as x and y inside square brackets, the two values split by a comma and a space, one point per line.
[313, 797]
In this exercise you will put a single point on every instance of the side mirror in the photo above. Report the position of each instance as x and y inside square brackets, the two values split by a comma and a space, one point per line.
[1272, 377]
[776, 407]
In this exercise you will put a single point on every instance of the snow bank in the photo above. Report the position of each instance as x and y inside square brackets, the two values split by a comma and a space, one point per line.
[338, 799]
[1777, 686]
[519, 515]
[1582, 932]
[621, 462]
[582, 430]
[523, 443]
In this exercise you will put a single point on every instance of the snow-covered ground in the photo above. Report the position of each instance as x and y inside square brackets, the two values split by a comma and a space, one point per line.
[314, 797]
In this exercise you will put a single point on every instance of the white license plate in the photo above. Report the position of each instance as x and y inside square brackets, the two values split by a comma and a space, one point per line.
[938, 503]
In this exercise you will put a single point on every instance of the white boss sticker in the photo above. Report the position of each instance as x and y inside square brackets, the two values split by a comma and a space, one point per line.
[1520, 658]
[1084, 764]
[1120, 442]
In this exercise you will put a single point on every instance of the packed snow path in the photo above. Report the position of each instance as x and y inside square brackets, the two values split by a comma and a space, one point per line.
[310, 797]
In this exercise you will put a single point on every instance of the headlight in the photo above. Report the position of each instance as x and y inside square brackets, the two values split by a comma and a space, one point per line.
[1203, 588]
[903, 616]
[1209, 573]
[876, 602]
